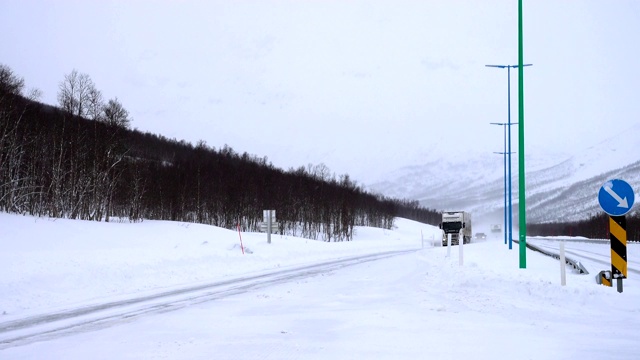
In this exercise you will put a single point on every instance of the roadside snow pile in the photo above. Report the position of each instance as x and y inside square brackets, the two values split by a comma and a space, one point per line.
[51, 263]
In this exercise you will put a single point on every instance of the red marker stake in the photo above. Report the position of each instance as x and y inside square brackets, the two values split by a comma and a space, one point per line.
[240, 235]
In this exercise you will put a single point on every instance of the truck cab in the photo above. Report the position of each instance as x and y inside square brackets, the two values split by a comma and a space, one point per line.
[456, 223]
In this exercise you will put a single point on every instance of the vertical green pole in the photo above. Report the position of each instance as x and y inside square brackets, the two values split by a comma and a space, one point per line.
[521, 194]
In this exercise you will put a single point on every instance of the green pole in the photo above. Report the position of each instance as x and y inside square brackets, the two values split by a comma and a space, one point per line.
[521, 197]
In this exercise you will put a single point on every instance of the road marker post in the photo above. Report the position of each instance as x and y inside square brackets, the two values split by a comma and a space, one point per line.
[616, 198]
[460, 246]
[563, 265]
[604, 278]
[240, 235]
[618, 237]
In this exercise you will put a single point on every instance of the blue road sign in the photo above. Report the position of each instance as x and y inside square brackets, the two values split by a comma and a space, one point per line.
[616, 197]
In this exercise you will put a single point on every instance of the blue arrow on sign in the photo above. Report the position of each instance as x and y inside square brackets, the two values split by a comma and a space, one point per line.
[616, 197]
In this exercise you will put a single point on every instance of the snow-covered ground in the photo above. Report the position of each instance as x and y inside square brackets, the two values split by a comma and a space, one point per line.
[418, 304]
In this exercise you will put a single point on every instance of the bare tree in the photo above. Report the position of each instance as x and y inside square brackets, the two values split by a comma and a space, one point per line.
[95, 105]
[75, 93]
[116, 114]
[12, 150]
[320, 171]
[9, 82]
[58, 165]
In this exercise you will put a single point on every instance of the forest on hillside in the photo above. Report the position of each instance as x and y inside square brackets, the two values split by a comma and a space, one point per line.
[81, 160]
[595, 227]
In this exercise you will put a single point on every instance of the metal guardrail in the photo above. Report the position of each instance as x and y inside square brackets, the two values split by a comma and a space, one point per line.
[578, 239]
[568, 240]
[577, 265]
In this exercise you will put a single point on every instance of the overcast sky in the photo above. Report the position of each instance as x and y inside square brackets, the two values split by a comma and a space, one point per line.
[362, 86]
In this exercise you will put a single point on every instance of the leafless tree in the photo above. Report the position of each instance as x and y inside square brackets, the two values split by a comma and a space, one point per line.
[12, 178]
[9, 82]
[59, 165]
[116, 114]
[75, 93]
[320, 171]
[95, 105]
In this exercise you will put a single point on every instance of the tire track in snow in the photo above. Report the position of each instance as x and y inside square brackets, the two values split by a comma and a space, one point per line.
[94, 317]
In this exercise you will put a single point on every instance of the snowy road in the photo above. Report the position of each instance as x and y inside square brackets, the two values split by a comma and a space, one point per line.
[422, 304]
[163, 290]
[92, 317]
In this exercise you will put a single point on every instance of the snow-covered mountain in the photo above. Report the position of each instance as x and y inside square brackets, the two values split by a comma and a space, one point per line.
[559, 187]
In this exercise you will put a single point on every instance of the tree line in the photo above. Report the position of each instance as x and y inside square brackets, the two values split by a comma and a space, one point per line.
[595, 227]
[81, 160]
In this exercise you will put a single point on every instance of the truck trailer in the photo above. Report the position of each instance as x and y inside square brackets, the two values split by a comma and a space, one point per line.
[456, 223]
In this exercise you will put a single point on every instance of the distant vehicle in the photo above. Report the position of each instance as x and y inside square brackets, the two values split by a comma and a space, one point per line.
[456, 223]
[496, 228]
[481, 236]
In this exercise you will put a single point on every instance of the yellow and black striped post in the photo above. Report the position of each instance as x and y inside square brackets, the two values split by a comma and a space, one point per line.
[604, 278]
[618, 237]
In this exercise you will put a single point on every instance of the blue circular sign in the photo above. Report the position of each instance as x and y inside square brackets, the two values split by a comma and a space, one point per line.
[616, 197]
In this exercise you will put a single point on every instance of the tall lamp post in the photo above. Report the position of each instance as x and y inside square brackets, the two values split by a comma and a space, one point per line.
[508, 151]
[504, 155]
[521, 195]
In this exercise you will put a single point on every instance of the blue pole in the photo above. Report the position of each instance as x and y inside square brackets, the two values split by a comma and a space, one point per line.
[509, 152]
[505, 185]
[508, 208]
[504, 156]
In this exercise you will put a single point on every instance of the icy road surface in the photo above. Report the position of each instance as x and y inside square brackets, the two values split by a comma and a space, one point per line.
[420, 304]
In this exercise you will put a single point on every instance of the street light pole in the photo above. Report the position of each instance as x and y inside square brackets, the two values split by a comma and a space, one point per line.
[521, 192]
[508, 152]
[504, 153]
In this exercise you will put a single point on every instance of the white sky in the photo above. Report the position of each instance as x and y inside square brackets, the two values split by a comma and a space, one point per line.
[363, 86]
[419, 305]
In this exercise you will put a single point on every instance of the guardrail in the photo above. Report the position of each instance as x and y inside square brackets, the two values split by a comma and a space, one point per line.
[577, 265]
[578, 239]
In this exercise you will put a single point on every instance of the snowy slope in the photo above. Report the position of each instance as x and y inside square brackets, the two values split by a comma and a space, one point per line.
[421, 304]
[559, 186]
[71, 261]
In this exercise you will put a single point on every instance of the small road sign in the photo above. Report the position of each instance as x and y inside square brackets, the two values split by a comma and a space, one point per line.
[267, 213]
[616, 197]
[265, 226]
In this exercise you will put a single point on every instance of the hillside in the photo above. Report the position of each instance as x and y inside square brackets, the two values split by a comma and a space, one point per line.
[559, 187]
[62, 164]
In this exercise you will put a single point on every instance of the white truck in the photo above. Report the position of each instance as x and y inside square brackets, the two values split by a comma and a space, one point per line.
[456, 223]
